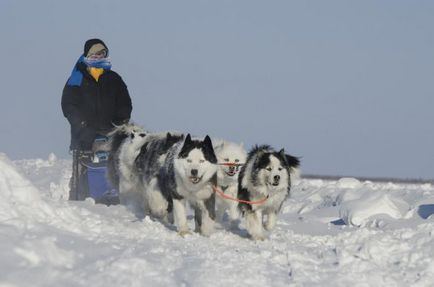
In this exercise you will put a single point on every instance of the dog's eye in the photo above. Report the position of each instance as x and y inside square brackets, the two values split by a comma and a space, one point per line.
[189, 160]
[269, 168]
[237, 160]
[226, 159]
[201, 161]
[280, 168]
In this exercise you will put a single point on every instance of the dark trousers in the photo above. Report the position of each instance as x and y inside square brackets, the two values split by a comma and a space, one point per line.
[78, 156]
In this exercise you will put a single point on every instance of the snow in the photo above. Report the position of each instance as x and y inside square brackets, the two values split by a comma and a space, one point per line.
[330, 233]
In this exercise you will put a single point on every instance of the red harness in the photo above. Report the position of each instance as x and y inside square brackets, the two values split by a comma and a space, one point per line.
[221, 193]
[231, 164]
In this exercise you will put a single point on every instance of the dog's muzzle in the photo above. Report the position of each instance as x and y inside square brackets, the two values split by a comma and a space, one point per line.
[194, 178]
[232, 171]
[276, 180]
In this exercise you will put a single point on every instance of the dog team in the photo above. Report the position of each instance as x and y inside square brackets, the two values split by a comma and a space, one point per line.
[160, 173]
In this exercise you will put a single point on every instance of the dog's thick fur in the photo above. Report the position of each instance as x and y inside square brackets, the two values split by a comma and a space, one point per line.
[227, 177]
[125, 144]
[267, 173]
[188, 175]
[148, 164]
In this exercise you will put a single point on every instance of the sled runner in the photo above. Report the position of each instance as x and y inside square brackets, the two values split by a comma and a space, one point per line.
[89, 175]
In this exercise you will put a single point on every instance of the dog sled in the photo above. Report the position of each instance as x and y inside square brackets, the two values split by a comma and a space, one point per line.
[89, 175]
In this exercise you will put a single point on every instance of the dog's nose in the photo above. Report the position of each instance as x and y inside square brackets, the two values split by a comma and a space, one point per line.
[232, 168]
[142, 135]
[194, 172]
[276, 178]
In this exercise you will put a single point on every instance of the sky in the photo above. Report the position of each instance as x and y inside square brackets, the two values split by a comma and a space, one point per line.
[345, 85]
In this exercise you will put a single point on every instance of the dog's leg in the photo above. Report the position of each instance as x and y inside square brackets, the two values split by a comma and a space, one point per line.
[145, 196]
[129, 197]
[234, 215]
[210, 206]
[204, 223]
[197, 216]
[271, 221]
[123, 191]
[254, 224]
[180, 216]
[233, 211]
[156, 201]
[220, 209]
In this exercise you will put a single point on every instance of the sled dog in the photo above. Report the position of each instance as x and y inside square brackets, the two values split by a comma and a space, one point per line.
[125, 144]
[230, 157]
[148, 165]
[265, 176]
[188, 175]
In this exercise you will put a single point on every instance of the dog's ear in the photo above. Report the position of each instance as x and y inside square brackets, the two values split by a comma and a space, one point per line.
[168, 137]
[209, 150]
[187, 139]
[292, 161]
[185, 147]
[143, 149]
[259, 161]
[219, 145]
[207, 142]
[283, 158]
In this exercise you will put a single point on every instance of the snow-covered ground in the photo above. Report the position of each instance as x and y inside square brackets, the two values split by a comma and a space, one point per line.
[330, 233]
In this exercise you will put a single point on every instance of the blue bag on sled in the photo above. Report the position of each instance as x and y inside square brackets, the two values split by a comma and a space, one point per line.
[93, 181]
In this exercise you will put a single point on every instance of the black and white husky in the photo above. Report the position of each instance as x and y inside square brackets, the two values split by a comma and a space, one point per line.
[189, 175]
[148, 164]
[265, 176]
[231, 156]
[125, 143]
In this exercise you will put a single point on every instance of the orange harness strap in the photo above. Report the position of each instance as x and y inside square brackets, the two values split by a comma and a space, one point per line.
[231, 164]
[221, 193]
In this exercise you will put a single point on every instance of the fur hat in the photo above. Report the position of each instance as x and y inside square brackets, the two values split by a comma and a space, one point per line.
[94, 45]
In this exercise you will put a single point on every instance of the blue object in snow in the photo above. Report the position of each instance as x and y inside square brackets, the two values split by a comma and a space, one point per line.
[98, 185]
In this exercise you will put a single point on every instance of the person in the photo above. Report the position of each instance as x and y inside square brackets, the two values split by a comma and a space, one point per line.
[94, 99]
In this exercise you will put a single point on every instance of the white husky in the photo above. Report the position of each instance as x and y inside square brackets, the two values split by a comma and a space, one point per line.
[230, 157]
[148, 164]
[188, 175]
[126, 142]
[264, 183]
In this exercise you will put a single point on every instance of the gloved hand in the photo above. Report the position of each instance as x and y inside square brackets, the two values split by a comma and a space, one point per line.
[86, 138]
[119, 122]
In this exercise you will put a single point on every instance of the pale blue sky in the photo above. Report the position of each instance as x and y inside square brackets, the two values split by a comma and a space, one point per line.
[346, 85]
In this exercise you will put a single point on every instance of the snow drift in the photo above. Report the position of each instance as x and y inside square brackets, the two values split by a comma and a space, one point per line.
[330, 233]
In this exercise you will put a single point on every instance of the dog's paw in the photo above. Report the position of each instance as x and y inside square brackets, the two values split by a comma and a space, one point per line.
[206, 232]
[268, 227]
[184, 233]
[207, 228]
[235, 225]
[258, 237]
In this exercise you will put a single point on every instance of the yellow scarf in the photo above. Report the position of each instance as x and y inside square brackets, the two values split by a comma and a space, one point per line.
[96, 72]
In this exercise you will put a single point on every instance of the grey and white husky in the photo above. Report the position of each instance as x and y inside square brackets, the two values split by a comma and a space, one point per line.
[148, 164]
[188, 175]
[265, 176]
[230, 156]
[125, 144]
